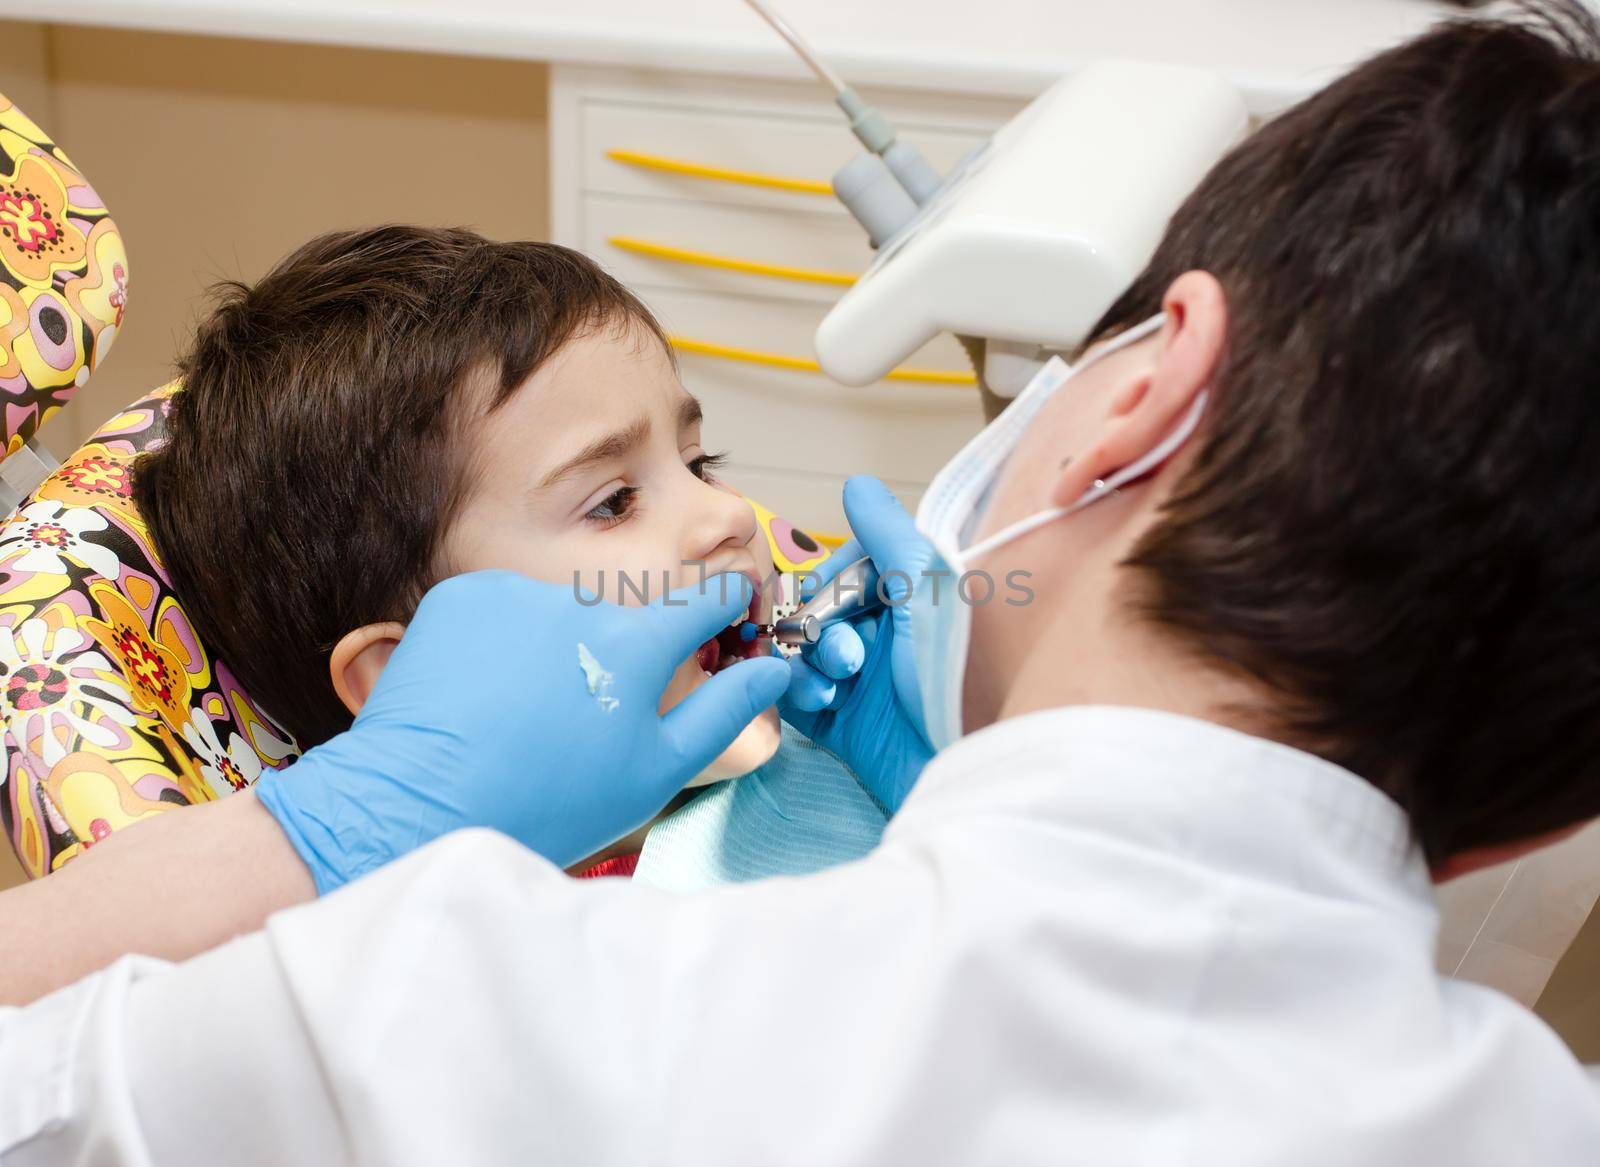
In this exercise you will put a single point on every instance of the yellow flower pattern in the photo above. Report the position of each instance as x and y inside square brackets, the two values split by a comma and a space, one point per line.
[104, 686]
[63, 277]
[37, 239]
[155, 675]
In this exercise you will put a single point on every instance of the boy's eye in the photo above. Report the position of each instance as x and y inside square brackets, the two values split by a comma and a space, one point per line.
[615, 506]
[706, 465]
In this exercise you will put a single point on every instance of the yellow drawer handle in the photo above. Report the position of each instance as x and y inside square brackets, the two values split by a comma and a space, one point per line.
[807, 275]
[805, 365]
[717, 173]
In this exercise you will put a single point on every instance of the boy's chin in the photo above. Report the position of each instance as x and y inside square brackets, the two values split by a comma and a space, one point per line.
[752, 749]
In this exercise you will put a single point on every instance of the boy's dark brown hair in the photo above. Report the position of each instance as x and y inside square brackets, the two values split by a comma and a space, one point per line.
[313, 460]
[1393, 519]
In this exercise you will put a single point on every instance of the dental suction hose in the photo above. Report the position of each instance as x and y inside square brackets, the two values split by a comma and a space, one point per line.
[903, 161]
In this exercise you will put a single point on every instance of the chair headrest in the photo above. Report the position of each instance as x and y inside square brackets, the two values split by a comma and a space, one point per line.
[63, 278]
[114, 710]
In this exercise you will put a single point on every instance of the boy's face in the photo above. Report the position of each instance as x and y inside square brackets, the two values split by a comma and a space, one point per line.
[593, 470]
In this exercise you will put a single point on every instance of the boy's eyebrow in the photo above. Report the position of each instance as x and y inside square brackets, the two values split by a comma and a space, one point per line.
[613, 445]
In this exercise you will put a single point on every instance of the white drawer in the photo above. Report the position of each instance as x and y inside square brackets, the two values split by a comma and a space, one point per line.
[799, 431]
[796, 146]
[793, 437]
[805, 243]
[786, 329]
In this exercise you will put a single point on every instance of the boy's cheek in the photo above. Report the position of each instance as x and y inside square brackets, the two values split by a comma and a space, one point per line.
[626, 583]
[617, 567]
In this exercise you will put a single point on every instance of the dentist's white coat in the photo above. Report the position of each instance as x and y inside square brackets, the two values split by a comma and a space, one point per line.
[1093, 936]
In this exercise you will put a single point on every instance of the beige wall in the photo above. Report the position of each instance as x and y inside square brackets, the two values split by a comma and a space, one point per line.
[1571, 1001]
[217, 156]
[25, 69]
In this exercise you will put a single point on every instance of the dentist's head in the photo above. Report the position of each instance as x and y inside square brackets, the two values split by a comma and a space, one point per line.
[1382, 543]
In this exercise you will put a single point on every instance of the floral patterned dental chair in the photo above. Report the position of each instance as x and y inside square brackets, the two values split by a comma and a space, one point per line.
[63, 277]
[63, 285]
[112, 708]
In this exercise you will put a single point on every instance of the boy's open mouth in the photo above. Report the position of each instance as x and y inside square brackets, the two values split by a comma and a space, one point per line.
[728, 647]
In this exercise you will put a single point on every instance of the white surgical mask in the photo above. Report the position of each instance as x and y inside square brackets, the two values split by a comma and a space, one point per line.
[953, 508]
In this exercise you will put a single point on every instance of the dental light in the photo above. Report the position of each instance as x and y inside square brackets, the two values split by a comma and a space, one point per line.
[1035, 234]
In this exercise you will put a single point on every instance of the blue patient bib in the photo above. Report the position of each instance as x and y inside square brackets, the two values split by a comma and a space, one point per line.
[801, 812]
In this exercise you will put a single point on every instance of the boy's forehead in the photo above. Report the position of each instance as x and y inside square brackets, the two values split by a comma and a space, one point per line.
[607, 373]
[605, 389]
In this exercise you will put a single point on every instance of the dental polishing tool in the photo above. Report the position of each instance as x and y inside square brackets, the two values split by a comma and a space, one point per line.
[851, 593]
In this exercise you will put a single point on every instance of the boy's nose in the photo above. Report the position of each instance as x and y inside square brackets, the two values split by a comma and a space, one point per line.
[723, 517]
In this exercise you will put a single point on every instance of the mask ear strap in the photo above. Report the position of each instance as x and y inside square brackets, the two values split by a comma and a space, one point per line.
[1147, 462]
[1138, 468]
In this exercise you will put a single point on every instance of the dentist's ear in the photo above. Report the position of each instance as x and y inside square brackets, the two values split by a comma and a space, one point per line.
[1154, 397]
[358, 658]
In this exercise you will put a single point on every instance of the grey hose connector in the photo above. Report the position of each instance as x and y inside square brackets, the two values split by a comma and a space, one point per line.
[911, 169]
[875, 132]
[870, 126]
[873, 195]
[905, 161]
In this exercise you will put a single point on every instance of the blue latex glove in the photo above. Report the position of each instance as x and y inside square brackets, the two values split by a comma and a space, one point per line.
[855, 690]
[490, 714]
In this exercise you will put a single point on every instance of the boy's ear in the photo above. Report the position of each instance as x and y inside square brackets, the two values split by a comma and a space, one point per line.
[1145, 408]
[358, 658]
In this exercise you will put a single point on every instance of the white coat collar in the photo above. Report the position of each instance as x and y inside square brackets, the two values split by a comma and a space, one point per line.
[1196, 790]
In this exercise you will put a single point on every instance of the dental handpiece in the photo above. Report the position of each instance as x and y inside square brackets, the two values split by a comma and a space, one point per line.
[847, 595]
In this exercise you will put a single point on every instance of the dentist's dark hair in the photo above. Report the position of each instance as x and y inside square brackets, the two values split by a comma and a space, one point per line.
[1392, 522]
[319, 448]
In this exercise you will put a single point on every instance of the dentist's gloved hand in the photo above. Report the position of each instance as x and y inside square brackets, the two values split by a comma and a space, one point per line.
[490, 714]
[855, 691]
